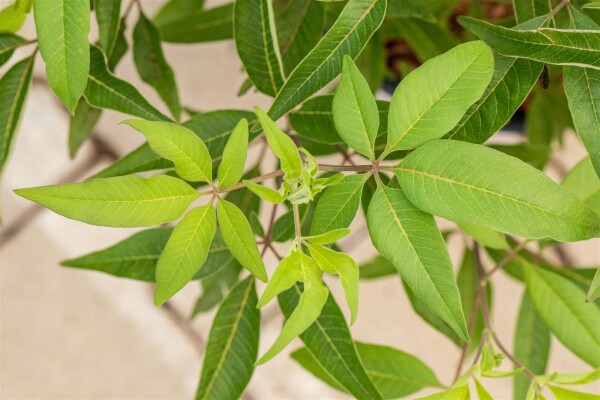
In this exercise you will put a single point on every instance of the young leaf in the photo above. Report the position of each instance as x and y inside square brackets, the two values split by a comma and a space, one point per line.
[594, 291]
[454, 393]
[328, 237]
[198, 25]
[62, 31]
[108, 17]
[239, 238]
[329, 342]
[185, 252]
[355, 111]
[349, 35]
[309, 307]
[585, 183]
[561, 304]
[482, 393]
[8, 44]
[338, 205]
[152, 65]
[568, 394]
[411, 240]
[333, 262]
[282, 145]
[299, 28]
[179, 145]
[453, 81]
[548, 45]
[582, 87]
[531, 345]
[234, 156]
[81, 125]
[232, 345]
[13, 16]
[104, 90]
[594, 5]
[581, 378]
[256, 42]
[13, 90]
[511, 83]
[466, 189]
[288, 272]
[126, 201]
[265, 193]
[133, 258]
[395, 373]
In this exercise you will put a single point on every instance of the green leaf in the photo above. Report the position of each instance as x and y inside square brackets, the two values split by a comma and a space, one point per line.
[581, 378]
[120, 202]
[329, 342]
[355, 112]
[152, 65]
[234, 156]
[13, 91]
[338, 205]
[328, 237]
[594, 292]
[256, 42]
[173, 10]
[561, 304]
[133, 258]
[453, 81]
[531, 345]
[62, 31]
[376, 268]
[455, 393]
[179, 145]
[529, 9]
[139, 160]
[468, 190]
[411, 240]
[216, 286]
[120, 48]
[8, 44]
[582, 87]
[482, 393]
[185, 252]
[394, 372]
[486, 237]
[108, 17]
[548, 45]
[104, 90]
[198, 25]
[511, 83]
[333, 262]
[372, 62]
[583, 181]
[288, 272]
[282, 145]
[232, 345]
[568, 394]
[13, 16]
[265, 193]
[239, 238]
[314, 120]
[81, 125]
[349, 35]
[309, 307]
[594, 5]
[299, 28]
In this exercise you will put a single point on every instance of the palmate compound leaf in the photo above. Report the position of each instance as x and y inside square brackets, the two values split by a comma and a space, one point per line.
[256, 43]
[178, 144]
[411, 240]
[349, 35]
[561, 304]
[239, 238]
[431, 100]
[333, 262]
[553, 46]
[234, 156]
[14, 86]
[185, 252]
[296, 267]
[62, 31]
[355, 112]
[329, 342]
[394, 372]
[126, 201]
[460, 181]
[232, 345]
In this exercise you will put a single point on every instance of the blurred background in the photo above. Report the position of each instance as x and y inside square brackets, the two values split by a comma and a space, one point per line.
[74, 334]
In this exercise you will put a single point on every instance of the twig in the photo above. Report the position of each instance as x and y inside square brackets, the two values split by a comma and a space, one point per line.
[506, 259]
